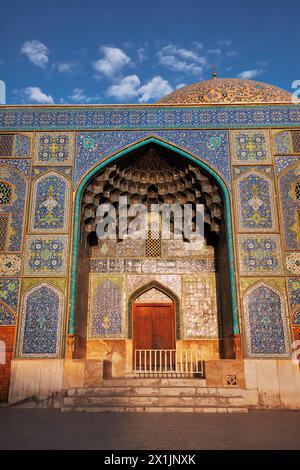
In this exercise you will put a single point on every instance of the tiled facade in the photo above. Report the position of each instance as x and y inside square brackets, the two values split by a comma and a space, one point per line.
[248, 147]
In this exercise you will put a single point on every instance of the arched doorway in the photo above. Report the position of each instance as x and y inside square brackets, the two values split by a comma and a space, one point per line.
[153, 312]
[154, 172]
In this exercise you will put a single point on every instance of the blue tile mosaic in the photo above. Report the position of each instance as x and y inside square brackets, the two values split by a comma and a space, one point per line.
[265, 322]
[148, 117]
[40, 331]
[290, 205]
[210, 146]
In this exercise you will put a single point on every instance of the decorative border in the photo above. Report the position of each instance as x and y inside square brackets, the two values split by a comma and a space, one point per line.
[148, 117]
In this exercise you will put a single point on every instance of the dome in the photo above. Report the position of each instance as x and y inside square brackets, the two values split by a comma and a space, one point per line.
[227, 90]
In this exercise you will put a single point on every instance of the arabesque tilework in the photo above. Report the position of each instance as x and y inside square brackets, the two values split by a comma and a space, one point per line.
[290, 207]
[41, 322]
[50, 208]
[248, 146]
[22, 146]
[293, 284]
[99, 132]
[282, 143]
[10, 265]
[16, 207]
[259, 254]
[9, 297]
[292, 262]
[53, 148]
[265, 321]
[46, 254]
[147, 117]
[210, 146]
[106, 307]
[255, 202]
[281, 163]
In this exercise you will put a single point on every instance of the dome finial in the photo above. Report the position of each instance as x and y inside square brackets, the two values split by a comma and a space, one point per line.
[214, 73]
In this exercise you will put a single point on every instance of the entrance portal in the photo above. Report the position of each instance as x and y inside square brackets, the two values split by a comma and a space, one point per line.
[153, 330]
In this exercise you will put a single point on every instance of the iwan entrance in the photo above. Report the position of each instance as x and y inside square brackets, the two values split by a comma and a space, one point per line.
[154, 305]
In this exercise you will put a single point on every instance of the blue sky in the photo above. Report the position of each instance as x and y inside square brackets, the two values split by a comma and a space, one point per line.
[135, 51]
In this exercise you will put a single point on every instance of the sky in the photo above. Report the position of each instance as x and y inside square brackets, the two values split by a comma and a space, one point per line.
[136, 51]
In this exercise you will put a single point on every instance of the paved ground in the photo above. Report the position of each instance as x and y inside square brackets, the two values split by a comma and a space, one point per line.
[50, 429]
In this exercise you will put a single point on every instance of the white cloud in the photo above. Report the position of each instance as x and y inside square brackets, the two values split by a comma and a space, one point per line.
[66, 67]
[130, 87]
[79, 96]
[216, 51]
[114, 59]
[154, 89]
[141, 54]
[249, 74]
[126, 89]
[182, 60]
[37, 52]
[36, 95]
[224, 43]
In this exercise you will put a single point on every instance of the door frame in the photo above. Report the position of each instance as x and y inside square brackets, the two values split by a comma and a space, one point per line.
[152, 304]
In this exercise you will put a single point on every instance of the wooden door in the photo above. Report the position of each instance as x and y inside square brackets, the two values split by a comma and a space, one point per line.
[153, 328]
[7, 335]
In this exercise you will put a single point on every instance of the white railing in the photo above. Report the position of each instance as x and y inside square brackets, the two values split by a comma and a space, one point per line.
[168, 362]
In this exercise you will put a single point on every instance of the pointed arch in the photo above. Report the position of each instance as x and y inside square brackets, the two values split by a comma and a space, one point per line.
[290, 206]
[266, 321]
[227, 203]
[165, 290]
[12, 219]
[40, 330]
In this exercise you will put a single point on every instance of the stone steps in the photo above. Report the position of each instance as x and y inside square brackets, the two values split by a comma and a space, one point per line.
[154, 395]
[154, 409]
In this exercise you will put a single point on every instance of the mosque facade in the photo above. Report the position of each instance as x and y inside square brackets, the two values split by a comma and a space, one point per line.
[77, 310]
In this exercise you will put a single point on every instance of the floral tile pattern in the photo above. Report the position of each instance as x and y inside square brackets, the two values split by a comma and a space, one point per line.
[266, 324]
[41, 322]
[13, 236]
[106, 307]
[9, 297]
[46, 254]
[260, 254]
[50, 208]
[290, 207]
[53, 148]
[255, 202]
[294, 298]
[210, 146]
[249, 146]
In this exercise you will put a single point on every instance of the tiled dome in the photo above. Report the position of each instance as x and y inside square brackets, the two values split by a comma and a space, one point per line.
[227, 90]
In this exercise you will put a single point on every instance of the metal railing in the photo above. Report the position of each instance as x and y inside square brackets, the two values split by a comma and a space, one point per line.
[167, 362]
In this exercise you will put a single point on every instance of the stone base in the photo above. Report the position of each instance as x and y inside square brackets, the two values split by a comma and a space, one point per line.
[265, 383]
[35, 378]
